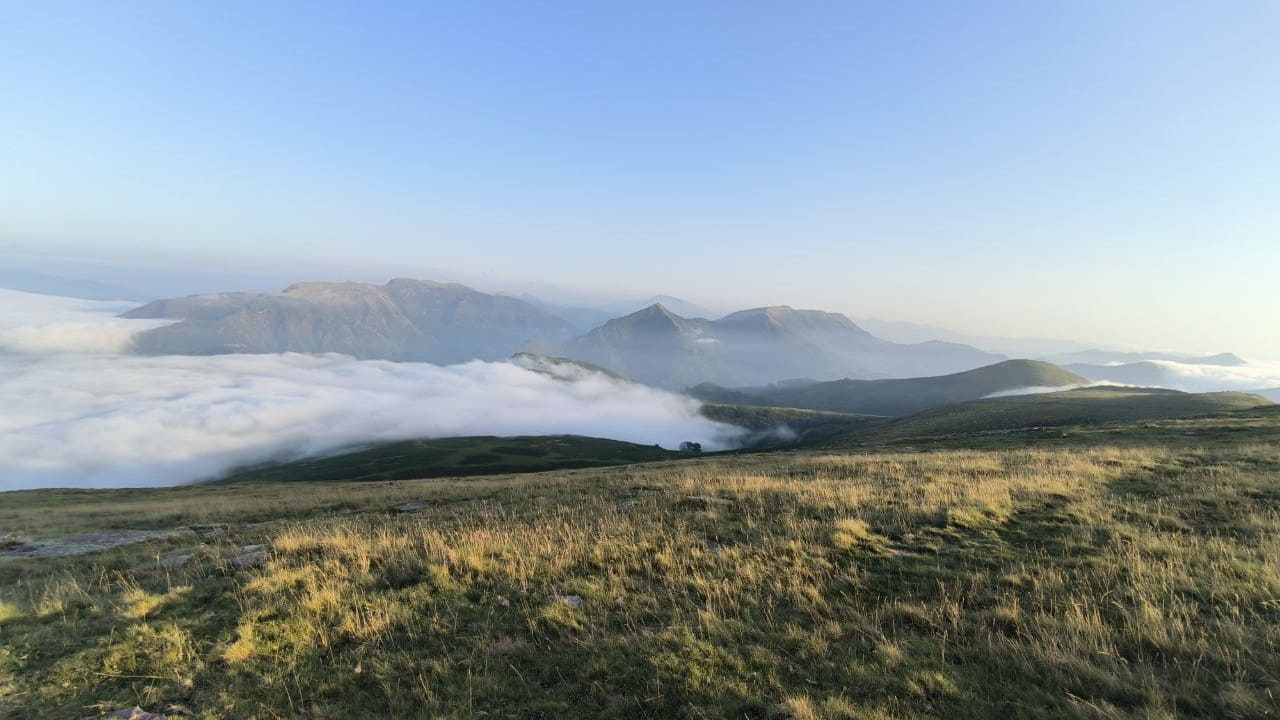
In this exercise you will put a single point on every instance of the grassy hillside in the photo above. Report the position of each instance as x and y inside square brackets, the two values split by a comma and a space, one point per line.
[448, 457]
[1090, 581]
[779, 426]
[905, 396]
[1272, 394]
[1084, 406]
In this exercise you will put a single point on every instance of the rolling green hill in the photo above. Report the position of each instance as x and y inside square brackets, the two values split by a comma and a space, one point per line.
[900, 397]
[776, 426]
[458, 457]
[769, 426]
[1084, 406]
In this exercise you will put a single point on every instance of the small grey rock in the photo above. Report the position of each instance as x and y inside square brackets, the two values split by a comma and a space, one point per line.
[251, 559]
[135, 713]
[176, 560]
[413, 507]
[573, 601]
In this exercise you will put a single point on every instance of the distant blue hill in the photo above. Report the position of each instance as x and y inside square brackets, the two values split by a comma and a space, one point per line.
[42, 284]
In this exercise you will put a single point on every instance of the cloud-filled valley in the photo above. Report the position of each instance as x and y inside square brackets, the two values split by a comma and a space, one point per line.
[44, 324]
[81, 410]
[81, 413]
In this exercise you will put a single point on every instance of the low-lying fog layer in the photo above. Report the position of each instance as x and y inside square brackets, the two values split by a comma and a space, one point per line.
[80, 412]
[1187, 377]
[1039, 390]
[1194, 377]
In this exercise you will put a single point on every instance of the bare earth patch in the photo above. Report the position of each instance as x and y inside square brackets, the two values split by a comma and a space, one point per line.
[84, 544]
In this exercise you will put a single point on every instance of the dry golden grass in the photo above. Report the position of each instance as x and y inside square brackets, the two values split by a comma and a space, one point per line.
[1086, 582]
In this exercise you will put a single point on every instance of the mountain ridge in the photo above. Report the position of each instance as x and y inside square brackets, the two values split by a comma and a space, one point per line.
[444, 323]
[897, 397]
[404, 319]
[756, 345]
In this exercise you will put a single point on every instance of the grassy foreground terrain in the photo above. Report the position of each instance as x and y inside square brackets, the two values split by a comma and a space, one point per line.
[1119, 572]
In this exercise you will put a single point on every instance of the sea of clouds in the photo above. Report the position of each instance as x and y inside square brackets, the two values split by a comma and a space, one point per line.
[77, 410]
[1194, 377]
[1258, 376]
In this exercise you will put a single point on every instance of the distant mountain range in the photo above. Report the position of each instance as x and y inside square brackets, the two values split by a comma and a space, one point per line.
[658, 347]
[581, 318]
[1109, 357]
[414, 320]
[899, 396]
[446, 323]
[44, 284]
[586, 318]
[1165, 373]
[680, 307]
[906, 332]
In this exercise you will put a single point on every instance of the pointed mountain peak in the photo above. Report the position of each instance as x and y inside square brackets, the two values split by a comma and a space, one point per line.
[654, 311]
[655, 308]
[653, 318]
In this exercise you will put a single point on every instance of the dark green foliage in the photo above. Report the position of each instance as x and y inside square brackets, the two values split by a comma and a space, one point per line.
[800, 425]
[449, 457]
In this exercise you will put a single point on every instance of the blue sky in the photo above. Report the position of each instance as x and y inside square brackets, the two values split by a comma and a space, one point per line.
[1096, 170]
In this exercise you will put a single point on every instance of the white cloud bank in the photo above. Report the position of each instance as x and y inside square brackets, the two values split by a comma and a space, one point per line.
[40, 324]
[1039, 390]
[72, 415]
[1194, 377]
[1187, 377]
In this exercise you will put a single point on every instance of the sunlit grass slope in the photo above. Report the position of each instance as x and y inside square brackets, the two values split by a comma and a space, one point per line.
[1084, 406]
[1086, 580]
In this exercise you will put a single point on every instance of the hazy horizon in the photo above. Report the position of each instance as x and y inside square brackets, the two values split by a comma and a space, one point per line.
[170, 278]
[1065, 170]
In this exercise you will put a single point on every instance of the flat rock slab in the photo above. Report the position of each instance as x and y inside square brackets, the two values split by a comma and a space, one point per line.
[85, 544]
[252, 556]
[413, 507]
